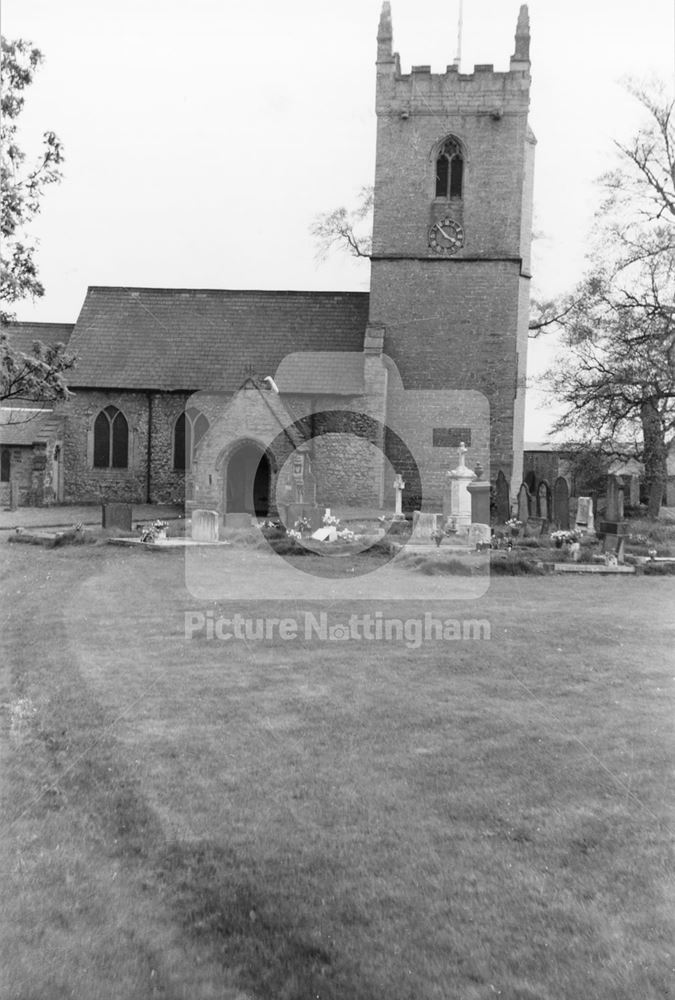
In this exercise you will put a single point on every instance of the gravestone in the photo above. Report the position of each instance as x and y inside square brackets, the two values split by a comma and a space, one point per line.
[399, 486]
[543, 499]
[479, 534]
[293, 512]
[614, 508]
[479, 491]
[561, 503]
[205, 525]
[633, 487]
[116, 515]
[13, 494]
[502, 499]
[424, 526]
[585, 520]
[456, 499]
[326, 534]
[524, 503]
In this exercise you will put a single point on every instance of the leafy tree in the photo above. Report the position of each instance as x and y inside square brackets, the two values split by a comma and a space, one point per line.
[40, 375]
[616, 373]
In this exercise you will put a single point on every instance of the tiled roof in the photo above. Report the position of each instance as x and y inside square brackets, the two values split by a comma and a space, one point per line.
[22, 336]
[154, 338]
[338, 373]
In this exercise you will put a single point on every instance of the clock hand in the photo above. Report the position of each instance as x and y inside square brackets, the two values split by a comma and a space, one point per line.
[448, 236]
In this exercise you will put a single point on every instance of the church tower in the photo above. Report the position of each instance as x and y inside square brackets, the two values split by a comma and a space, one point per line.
[451, 235]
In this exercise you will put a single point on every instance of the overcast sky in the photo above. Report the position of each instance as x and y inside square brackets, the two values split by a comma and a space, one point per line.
[202, 138]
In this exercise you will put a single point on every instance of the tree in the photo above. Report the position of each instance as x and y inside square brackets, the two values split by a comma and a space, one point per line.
[40, 375]
[345, 229]
[616, 373]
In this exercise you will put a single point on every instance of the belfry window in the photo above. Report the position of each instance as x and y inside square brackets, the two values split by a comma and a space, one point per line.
[111, 439]
[189, 429]
[449, 170]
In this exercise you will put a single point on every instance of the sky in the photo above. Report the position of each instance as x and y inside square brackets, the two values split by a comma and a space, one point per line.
[201, 139]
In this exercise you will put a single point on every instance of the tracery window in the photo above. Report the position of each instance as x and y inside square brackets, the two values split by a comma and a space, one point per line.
[189, 429]
[449, 170]
[111, 439]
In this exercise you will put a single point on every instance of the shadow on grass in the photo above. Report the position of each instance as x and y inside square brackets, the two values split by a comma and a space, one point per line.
[235, 911]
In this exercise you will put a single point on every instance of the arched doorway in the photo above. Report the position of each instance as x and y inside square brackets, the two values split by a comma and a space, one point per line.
[248, 481]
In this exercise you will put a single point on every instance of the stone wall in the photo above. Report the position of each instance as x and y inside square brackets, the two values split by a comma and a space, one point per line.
[21, 472]
[82, 482]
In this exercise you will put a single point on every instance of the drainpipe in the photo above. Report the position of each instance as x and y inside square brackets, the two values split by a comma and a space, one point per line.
[149, 452]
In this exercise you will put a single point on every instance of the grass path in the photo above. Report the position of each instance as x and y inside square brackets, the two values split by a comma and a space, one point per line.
[291, 821]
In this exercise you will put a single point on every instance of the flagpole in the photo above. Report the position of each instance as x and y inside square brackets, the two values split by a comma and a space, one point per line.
[458, 57]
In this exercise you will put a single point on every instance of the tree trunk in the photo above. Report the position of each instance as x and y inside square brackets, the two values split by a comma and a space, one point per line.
[654, 455]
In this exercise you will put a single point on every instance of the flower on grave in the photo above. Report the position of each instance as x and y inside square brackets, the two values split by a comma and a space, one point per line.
[292, 533]
[331, 521]
[564, 537]
[269, 525]
[302, 524]
[651, 553]
[150, 533]
[78, 526]
[346, 535]
[513, 523]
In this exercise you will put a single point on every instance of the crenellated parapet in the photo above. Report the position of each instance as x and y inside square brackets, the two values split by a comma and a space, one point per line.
[422, 92]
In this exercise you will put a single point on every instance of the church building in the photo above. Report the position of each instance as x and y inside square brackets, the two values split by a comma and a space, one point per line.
[242, 400]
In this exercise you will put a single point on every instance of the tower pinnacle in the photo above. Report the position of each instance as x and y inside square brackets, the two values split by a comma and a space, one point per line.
[522, 53]
[385, 34]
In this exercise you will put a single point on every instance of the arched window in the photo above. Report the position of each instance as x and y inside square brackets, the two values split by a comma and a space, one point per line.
[111, 439]
[4, 465]
[449, 170]
[189, 429]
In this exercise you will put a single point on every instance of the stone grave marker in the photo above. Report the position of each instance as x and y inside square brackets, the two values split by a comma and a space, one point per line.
[456, 497]
[479, 491]
[561, 503]
[524, 503]
[204, 526]
[543, 500]
[116, 515]
[614, 508]
[399, 486]
[502, 500]
[424, 526]
[326, 534]
[479, 534]
[585, 520]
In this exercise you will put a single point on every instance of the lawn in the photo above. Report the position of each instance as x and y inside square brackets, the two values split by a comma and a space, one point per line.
[315, 820]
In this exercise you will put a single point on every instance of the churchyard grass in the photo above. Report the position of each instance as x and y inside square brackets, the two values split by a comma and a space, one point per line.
[344, 821]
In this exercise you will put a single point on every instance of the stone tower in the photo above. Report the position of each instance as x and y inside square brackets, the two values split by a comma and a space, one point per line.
[452, 231]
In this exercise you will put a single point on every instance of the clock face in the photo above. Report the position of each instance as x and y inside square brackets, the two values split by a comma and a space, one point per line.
[446, 236]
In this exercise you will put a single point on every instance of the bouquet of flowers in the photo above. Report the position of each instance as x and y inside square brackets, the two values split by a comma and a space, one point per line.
[560, 538]
[150, 533]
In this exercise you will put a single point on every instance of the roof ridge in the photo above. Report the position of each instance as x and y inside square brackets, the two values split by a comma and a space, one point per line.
[224, 291]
